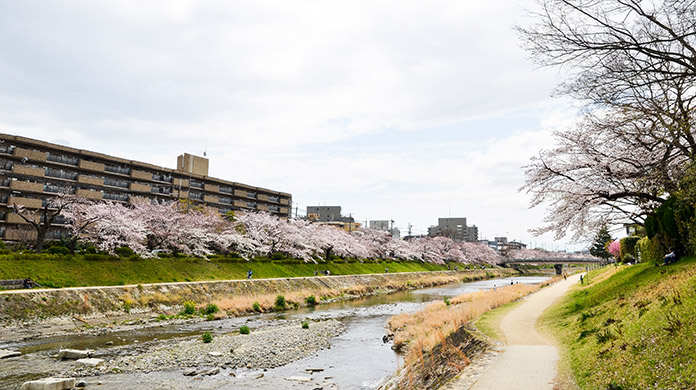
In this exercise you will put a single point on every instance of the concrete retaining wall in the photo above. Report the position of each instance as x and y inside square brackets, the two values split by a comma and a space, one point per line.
[98, 301]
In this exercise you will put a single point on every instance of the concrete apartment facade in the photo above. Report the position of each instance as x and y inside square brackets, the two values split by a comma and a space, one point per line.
[454, 228]
[31, 171]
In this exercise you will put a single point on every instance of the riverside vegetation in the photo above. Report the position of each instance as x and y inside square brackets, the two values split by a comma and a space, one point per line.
[439, 340]
[630, 327]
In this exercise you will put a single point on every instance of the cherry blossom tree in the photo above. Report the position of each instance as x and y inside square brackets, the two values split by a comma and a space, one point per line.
[615, 248]
[43, 218]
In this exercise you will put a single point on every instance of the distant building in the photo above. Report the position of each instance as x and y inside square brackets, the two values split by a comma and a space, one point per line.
[347, 226]
[501, 244]
[384, 226]
[454, 228]
[326, 214]
[380, 225]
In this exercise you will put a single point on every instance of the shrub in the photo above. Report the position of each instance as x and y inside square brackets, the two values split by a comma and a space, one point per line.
[210, 317]
[280, 302]
[207, 337]
[244, 329]
[211, 308]
[124, 251]
[628, 246]
[311, 300]
[58, 250]
[447, 301]
[189, 308]
[305, 324]
[649, 250]
[257, 307]
[127, 305]
[278, 256]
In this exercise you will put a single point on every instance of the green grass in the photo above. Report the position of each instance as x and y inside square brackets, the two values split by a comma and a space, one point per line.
[74, 271]
[631, 327]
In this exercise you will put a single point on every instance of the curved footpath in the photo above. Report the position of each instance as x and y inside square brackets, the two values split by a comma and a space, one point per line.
[529, 359]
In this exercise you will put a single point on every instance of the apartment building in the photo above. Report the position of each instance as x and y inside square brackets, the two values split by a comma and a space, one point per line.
[31, 171]
[454, 228]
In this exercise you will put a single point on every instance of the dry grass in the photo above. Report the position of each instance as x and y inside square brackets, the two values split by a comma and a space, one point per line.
[237, 305]
[423, 330]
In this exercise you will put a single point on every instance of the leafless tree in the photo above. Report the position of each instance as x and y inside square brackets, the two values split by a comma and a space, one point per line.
[633, 64]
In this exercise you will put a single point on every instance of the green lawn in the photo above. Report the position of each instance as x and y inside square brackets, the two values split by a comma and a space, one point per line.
[631, 327]
[69, 271]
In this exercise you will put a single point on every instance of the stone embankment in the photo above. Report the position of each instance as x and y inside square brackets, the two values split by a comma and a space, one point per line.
[91, 302]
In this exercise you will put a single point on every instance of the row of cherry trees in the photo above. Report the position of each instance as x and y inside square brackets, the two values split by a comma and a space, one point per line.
[146, 226]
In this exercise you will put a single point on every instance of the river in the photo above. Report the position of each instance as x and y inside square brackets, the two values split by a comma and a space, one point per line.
[357, 359]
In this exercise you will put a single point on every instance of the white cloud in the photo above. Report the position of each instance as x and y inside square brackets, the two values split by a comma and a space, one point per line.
[395, 109]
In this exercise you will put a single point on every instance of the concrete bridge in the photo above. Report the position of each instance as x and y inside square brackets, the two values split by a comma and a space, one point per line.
[557, 262]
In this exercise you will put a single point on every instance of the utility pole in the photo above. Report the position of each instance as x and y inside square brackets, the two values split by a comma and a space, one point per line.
[409, 229]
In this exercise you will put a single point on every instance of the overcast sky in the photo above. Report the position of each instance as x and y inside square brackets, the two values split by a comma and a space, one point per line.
[403, 110]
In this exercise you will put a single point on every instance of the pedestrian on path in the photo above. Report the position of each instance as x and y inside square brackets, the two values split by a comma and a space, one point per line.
[582, 281]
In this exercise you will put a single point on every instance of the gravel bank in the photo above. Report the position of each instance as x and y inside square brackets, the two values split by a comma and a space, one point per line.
[263, 348]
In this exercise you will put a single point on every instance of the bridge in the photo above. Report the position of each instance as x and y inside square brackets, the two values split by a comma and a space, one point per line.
[557, 262]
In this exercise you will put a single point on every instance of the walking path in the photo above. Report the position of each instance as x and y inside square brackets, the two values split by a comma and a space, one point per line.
[529, 359]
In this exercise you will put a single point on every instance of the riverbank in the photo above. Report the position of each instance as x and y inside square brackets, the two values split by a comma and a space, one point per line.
[58, 271]
[27, 313]
[629, 327]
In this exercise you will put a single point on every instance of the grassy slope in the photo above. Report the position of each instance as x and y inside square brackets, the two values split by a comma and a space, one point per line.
[64, 271]
[631, 327]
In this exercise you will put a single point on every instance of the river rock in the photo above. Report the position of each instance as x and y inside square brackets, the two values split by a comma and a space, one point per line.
[215, 354]
[49, 384]
[4, 353]
[299, 378]
[74, 353]
[89, 362]
[314, 369]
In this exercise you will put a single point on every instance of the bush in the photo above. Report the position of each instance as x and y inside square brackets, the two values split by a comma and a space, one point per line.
[649, 250]
[628, 246]
[280, 302]
[58, 250]
[189, 308]
[447, 301]
[244, 329]
[124, 251]
[305, 324]
[207, 337]
[257, 307]
[211, 308]
[210, 317]
[311, 300]
[278, 256]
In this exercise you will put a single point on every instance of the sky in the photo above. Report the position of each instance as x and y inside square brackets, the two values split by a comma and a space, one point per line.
[394, 110]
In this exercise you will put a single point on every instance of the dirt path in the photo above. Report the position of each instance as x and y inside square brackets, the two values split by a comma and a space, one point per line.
[529, 359]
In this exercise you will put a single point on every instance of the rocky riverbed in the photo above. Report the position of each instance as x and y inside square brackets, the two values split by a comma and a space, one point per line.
[260, 349]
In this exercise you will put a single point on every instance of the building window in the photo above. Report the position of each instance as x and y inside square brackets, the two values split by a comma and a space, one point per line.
[115, 183]
[161, 190]
[251, 195]
[6, 165]
[7, 149]
[226, 190]
[4, 198]
[62, 159]
[61, 174]
[162, 177]
[251, 205]
[274, 199]
[224, 199]
[273, 208]
[117, 169]
[58, 189]
[115, 196]
[196, 195]
[196, 184]
[5, 182]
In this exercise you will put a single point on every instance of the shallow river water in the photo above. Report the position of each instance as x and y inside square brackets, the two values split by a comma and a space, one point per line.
[357, 359]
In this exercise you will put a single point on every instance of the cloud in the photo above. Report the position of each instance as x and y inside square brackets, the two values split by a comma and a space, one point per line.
[398, 109]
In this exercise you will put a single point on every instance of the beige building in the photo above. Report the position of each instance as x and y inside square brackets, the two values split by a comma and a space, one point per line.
[32, 171]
